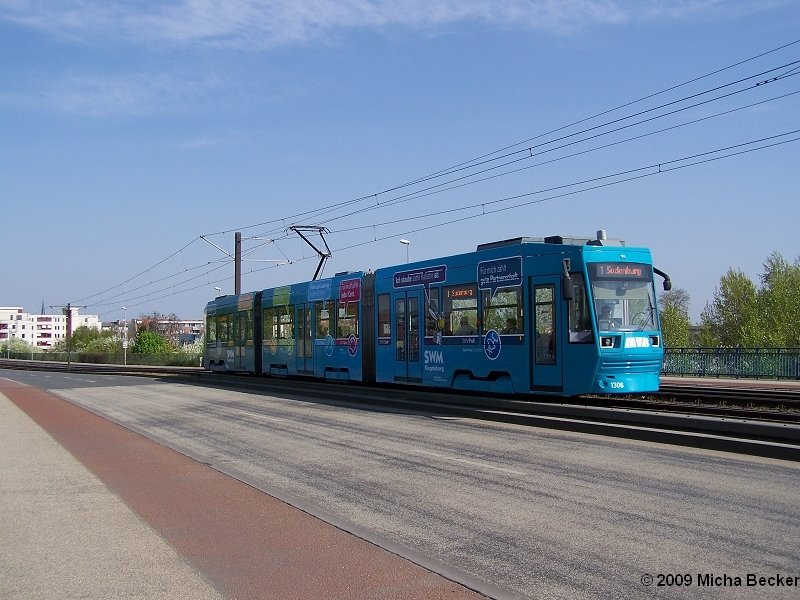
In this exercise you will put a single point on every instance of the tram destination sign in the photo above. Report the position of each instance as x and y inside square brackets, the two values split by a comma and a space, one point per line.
[623, 271]
[500, 273]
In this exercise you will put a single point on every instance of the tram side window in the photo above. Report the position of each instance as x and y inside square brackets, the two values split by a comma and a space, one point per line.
[503, 311]
[270, 323]
[432, 313]
[223, 328]
[286, 321]
[545, 316]
[245, 328]
[384, 316]
[348, 319]
[413, 329]
[325, 317]
[461, 310]
[211, 330]
[305, 347]
[249, 327]
[400, 329]
[580, 321]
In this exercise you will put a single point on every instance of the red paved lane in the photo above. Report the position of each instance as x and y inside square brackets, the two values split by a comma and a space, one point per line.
[248, 544]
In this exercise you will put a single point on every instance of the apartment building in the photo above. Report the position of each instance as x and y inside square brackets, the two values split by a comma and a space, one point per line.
[41, 331]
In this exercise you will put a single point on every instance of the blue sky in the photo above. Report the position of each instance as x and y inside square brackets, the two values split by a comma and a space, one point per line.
[130, 129]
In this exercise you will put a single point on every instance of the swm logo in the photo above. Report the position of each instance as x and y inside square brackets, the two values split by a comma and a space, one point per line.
[434, 357]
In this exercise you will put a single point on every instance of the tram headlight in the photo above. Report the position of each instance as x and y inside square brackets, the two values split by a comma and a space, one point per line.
[607, 342]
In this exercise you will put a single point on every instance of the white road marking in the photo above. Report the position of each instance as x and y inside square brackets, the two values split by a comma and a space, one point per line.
[257, 416]
[468, 462]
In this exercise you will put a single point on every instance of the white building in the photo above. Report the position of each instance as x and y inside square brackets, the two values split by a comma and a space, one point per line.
[41, 331]
[181, 332]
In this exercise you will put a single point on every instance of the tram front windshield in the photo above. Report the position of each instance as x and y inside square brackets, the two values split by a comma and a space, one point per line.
[624, 296]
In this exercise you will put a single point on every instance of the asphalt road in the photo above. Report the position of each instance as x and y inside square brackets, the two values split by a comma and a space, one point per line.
[538, 513]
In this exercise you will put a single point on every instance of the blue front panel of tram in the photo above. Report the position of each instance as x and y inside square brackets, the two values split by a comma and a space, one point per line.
[630, 341]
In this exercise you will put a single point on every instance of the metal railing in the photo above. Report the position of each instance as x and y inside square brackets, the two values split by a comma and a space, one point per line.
[149, 360]
[745, 363]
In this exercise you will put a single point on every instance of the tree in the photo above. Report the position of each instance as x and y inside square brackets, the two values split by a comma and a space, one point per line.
[779, 302]
[87, 338]
[167, 326]
[675, 321]
[148, 342]
[84, 336]
[16, 346]
[193, 352]
[731, 318]
[766, 316]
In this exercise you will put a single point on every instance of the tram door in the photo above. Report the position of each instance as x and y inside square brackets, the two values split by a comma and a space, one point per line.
[240, 340]
[407, 336]
[548, 356]
[305, 340]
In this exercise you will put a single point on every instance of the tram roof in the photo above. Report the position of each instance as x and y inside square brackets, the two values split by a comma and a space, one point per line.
[553, 239]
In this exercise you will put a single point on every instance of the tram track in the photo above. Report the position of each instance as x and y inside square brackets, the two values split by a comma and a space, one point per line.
[765, 405]
[760, 421]
[778, 413]
[755, 393]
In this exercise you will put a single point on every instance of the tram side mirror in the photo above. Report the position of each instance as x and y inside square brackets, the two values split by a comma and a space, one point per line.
[667, 280]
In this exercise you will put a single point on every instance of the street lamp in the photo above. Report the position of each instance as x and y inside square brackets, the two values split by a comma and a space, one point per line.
[124, 336]
[218, 290]
[406, 243]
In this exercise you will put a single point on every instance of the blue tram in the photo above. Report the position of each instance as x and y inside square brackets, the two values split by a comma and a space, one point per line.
[315, 328]
[555, 316]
